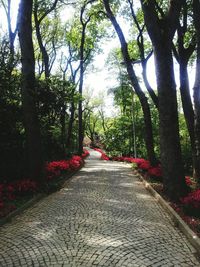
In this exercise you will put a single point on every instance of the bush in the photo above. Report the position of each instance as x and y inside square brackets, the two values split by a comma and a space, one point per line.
[191, 203]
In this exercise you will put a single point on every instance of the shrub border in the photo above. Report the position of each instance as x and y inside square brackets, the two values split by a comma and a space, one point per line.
[37, 198]
[177, 220]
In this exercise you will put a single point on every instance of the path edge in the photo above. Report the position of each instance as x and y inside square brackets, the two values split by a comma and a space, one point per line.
[177, 220]
[36, 199]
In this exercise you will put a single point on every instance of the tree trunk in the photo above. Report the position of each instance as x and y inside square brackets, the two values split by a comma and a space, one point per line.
[132, 76]
[70, 127]
[187, 107]
[80, 108]
[161, 32]
[196, 90]
[45, 56]
[183, 55]
[171, 159]
[148, 86]
[31, 124]
[63, 129]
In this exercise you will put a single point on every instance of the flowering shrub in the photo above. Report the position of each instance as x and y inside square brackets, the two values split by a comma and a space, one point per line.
[26, 186]
[75, 162]
[12, 191]
[188, 181]
[104, 156]
[191, 203]
[155, 172]
[85, 153]
[145, 165]
[55, 168]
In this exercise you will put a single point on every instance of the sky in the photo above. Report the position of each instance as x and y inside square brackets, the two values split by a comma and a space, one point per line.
[101, 80]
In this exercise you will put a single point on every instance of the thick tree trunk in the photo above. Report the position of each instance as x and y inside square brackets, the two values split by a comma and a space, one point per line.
[132, 76]
[31, 124]
[171, 159]
[161, 32]
[196, 90]
[183, 55]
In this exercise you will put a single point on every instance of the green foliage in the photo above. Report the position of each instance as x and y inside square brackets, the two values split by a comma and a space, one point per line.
[12, 133]
[53, 100]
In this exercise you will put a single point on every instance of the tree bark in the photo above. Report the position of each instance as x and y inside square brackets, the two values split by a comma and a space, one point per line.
[132, 76]
[183, 55]
[80, 108]
[31, 123]
[70, 126]
[187, 105]
[45, 56]
[140, 43]
[196, 90]
[161, 32]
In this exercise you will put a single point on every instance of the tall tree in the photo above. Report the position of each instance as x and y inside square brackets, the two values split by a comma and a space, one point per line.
[31, 124]
[133, 78]
[86, 15]
[161, 31]
[183, 52]
[196, 88]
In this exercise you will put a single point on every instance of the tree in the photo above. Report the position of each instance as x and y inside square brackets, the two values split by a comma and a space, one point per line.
[39, 16]
[11, 33]
[183, 52]
[196, 89]
[86, 14]
[31, 124]
[161, 31]
[143, 59]
[143, 100]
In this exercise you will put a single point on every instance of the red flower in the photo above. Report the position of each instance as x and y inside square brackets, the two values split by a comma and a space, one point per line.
[188, 180]
[145, 165]
[192, 201]
[104, 156]
[85, 153]
[155, 171]
[75, 162]
[26, 186]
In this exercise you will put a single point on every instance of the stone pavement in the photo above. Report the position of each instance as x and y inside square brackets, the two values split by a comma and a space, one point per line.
[102, 217]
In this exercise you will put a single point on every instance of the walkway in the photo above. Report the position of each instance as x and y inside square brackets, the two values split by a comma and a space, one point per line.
[102, 217]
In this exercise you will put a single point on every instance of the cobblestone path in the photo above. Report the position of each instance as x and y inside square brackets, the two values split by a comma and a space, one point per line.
[102, 217]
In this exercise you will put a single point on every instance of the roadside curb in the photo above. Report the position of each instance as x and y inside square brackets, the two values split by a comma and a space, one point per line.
[178, 221]
[19, 210]
[38, 197]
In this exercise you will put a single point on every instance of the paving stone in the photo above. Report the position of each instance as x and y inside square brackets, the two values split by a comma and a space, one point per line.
[103, 217]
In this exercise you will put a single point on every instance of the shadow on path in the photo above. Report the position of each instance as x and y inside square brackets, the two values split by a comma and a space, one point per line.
[102, 217]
